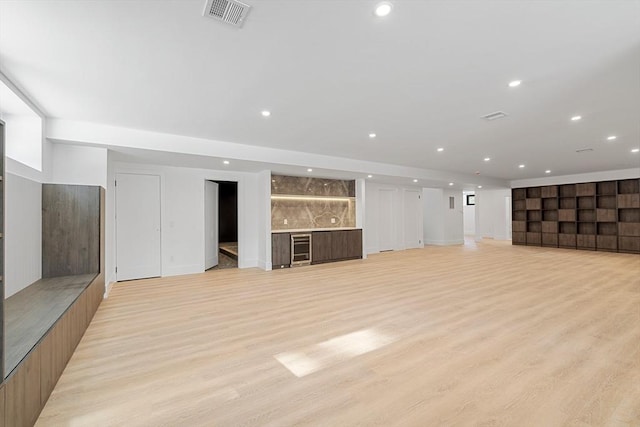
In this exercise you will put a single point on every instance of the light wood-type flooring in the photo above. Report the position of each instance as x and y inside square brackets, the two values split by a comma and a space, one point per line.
[486, 335]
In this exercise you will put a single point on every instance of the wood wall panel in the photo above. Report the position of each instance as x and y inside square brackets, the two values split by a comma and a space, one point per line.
[14, 399]
[48, 372]
[32, 403]
[2, 416]
[70, 230]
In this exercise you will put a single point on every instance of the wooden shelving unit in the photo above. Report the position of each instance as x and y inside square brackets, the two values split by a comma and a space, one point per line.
[603, 216]
[519, 216]
[567, 227]
[533, 204]
[606, 216]
[629, 215]
[549, 197]
[586, 215]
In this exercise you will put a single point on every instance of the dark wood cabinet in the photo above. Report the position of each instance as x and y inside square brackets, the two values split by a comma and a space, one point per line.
[321, 242]
[329, 246]
[603, 216]
[281, 250]
[326, 246]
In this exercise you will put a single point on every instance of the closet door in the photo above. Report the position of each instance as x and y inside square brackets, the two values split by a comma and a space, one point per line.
[137, 226]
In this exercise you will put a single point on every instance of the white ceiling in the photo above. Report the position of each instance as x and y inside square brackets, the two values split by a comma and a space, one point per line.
[331, 72]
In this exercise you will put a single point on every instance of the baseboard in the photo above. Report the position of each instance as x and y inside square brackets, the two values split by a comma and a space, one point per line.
[372, 250]
[107, 289]
[264, 265]
[444, 242]
[182, 269]
[250, 263]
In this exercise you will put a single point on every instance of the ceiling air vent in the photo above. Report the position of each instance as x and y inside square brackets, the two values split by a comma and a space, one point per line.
[495, 116]
[230, 11]
[584, 150]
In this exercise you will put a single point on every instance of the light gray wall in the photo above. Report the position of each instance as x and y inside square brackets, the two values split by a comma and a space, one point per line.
[23, 233]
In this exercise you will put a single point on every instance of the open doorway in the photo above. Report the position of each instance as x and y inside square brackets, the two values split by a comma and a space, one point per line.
[221, 225]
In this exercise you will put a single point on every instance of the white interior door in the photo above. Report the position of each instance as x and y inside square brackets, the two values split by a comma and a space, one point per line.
[412, 219]
[137, 226]
[210, 224]
[385, 219]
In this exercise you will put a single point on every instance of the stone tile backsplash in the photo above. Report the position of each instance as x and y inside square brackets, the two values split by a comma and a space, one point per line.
[308, 212]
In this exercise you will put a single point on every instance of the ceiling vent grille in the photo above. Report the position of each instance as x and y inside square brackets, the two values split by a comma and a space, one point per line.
[230, 11]
[584, 150]
[495, 116]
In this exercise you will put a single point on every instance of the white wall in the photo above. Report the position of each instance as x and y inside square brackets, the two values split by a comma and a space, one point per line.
[372, 222]
[24, 139]
[493, 217]
[469, 214]
[23, 233]
[263, 202]
[78, 165]
[442, 225]
[182, 212]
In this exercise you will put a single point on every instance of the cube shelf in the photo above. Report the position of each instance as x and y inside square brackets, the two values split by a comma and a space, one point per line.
[602, 216]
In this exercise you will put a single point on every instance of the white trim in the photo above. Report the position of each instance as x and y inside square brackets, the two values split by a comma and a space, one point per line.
[445, 242]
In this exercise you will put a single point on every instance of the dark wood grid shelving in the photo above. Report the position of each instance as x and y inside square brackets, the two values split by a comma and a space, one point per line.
[603, 216]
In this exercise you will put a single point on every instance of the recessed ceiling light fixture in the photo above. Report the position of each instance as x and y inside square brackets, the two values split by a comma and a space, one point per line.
[369, 176]
[383, 9]
[611, 138]
[372, 135]
[547, 171]
[635, 150]
[521, 166]
[415, 180]
[479, 186]
[451, 183]
[486, 159]
[440, 150]
[515, 83]
[576, 118]
[226, 162]
[309, 170]
[265, 113]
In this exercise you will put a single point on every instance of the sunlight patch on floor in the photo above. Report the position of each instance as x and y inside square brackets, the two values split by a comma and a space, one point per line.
[335, 350]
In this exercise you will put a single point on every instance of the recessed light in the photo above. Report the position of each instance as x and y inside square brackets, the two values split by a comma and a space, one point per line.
[372, 135]
[383, 9]
[226, 162]
[635, 150]
[415, 180]
[486, 159]
[369, 176]
[265, 113]
[479, 186]
[576, 118]
[515, 83]
[451, 183]
[611, 138]
[309, 170]
[547, 171]
[521, 166]
[440, 150]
